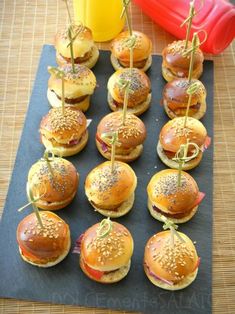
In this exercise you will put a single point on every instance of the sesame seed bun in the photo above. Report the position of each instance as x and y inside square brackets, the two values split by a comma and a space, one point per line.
[120, 56]
[166, 198]
[140, 96]
[173, 134]
[77, 87]
[109, 253]
[111, 193]
[56, 187]
[170, 267]
[175, 65]
[43, 247]
[130, 136]
[175, 99]
[64, 135]
[84, 50]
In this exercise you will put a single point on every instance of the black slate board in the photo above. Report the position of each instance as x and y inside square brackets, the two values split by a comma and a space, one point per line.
[65, 283]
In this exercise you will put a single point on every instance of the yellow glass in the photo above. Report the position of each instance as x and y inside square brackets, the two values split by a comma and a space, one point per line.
[101, 16]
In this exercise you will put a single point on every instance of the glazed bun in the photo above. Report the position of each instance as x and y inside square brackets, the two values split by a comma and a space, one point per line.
[170, 267]
[130, 136]
[111, 193]
[54, 181]
[175, 65]
[114, 264]
[175, 99]
[78, 87]
[140, 97]
[177, 203]
[120, 53]
[64, 135]
[84, 50]
[174, 134]
[43, 247]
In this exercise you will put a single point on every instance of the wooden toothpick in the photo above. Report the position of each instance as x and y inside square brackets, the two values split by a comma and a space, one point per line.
[60, 75]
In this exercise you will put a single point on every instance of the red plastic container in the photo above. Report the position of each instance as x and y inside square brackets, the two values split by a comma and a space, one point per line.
[217, 18]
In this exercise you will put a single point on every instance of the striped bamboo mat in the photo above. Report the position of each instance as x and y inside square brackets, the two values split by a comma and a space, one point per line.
[24, 27]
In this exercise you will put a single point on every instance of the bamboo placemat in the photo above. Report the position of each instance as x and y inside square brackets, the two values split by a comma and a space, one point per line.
[24, 27]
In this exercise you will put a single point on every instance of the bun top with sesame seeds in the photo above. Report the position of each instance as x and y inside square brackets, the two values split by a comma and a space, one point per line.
[164, 192]
[173, 56]
[168, 261]
[44, 243]
[141, 51]
[81, 45]
[63, 128]
[139, 86]
[54, 181]
[78, 84]
[107, 188]
[130, 135]
[108, 252]
[173, 134]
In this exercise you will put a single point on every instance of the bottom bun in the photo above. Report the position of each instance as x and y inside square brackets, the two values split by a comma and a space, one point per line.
[173, 164]
[56, 102]
[137, 110]
[52, 263]
[180, 285]
[197, 115]
[65, 151]
[169, 76]
[117, 65]
[182, 220]
[88, 63]
[133, 155]
[111, 277]
[122, 210]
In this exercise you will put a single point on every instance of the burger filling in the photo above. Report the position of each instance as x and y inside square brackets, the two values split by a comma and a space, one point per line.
[136, 64]
[200, 197]
[120, 104]
[182, 111]
[119, 150]
[78, 60]
[171, 283]
[71, 101]
[71, 143]
[37, 260]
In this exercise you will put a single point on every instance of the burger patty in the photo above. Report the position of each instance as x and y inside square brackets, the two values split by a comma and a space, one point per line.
[171, 155]
[119, 104]
[78, 60]
[138, 64]
[71, 101]
[112, 208]
[182, 111]
[70, 144]
[119, 150]
[177, 216]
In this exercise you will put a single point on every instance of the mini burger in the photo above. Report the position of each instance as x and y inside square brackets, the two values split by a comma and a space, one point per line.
[84, 50]
[111, 193]
[120, 53]
[174, 134]
[64, 135]
[78, 87]
[175, 99]
[176, 65]
[43, 247]
[130, 136]
[55, 181]
[106, 249]
[170, 267]
[140, 91]
[165, 197]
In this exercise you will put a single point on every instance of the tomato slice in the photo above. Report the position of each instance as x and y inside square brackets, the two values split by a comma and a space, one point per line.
[207, 143]
[200, 197]
[93, 272]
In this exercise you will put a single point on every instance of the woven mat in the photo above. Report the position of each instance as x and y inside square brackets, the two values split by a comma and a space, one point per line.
[25, 27]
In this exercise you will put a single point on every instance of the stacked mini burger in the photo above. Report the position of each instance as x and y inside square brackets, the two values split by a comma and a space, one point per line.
[105, 251]
[79, 85]
[64, 133]
[171, 262]
[84, 50]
